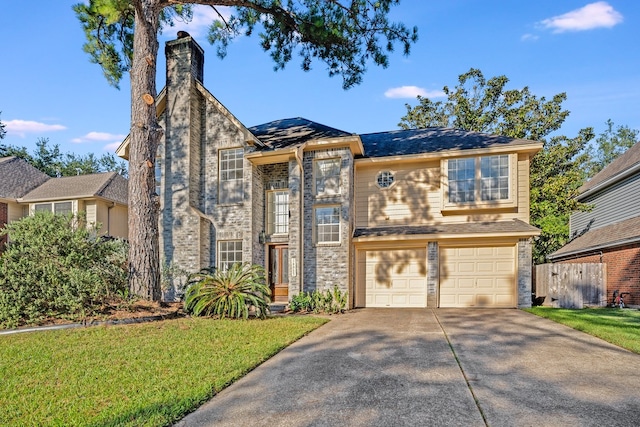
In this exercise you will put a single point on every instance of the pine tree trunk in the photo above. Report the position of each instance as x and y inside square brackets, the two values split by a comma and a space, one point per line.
[144, 261]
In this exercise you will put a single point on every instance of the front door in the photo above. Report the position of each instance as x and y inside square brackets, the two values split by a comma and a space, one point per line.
[279, 273]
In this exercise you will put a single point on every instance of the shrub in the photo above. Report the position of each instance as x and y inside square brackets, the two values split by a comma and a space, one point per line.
[54, 267]
[331, 301]
[228, 293]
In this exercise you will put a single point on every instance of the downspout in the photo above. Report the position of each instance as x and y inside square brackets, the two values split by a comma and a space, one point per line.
[299, 155]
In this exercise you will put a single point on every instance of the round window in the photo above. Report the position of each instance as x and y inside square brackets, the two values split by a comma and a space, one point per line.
[385, 179]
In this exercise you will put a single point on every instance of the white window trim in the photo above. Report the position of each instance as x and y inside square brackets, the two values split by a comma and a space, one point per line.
[315, 176]
[218, 257]
[511, 202]
[268, 223]
[315, 226]
[74, 206]
[393, 174]
[221, 199]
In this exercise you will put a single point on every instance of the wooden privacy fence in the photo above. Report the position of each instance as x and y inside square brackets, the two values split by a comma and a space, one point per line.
[572, 285]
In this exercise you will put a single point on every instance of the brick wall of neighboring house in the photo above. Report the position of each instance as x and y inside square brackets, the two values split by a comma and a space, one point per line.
[623, 270]
[4, 218]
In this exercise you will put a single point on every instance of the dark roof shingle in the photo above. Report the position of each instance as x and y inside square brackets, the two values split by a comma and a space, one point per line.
[430, 140]
[288, 132]
[627, 160]
[610, 235]
[18, 177]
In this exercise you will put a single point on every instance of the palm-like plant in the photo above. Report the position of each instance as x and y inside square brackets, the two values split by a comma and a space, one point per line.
[228, 293]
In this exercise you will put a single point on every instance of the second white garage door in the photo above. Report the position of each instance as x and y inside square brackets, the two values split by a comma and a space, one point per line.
[478, 277]
[395, 278]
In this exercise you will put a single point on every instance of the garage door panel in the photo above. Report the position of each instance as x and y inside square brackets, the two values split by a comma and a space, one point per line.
[478, 276]
[394, 278]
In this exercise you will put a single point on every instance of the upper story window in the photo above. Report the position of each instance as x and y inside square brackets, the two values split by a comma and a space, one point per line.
[486, 180]
[231, 175]
[385, 179]
[327, 224]
[58, 208]
[278, 212]
[326, 176]
[229, 253]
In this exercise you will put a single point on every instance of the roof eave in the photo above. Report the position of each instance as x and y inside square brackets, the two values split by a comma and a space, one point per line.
[445, 236]
[609, 182]
[555, 257]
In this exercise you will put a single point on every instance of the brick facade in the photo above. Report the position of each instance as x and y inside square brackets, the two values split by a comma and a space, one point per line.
[623, 270]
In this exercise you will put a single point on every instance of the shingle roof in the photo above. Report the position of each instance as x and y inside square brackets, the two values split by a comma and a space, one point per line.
[108, 185]
[629, 159]
[288, 132]
[512, 226]
[429, 140]
[608, 236]
[17, 177]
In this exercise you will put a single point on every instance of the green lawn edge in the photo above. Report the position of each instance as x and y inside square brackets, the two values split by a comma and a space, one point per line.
[150, 374]
[620, 327]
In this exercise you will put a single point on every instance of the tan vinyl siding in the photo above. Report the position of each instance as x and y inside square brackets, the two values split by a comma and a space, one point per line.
[118, 226]
[15, 212]
[92, 213]
[415, 198]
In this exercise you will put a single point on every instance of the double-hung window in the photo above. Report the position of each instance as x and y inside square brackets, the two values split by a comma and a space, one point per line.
[278, 212]
[58, 208]
[327, 176]
[231, 175]
[327, 223]
[483, 181]
[229, 253]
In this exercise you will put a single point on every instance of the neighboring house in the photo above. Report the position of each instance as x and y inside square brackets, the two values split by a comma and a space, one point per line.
[610, 232]
[24, 190]
[418, 218]
[17, 178]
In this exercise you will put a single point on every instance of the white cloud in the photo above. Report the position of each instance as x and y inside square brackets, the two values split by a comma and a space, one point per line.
[23, 127]
[529, 37]
[112, 147]
[203, 17]
[412, 92]
[99, 137]
[594, 15]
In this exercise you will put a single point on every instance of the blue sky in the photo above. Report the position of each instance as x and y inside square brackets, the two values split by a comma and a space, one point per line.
[590, 50]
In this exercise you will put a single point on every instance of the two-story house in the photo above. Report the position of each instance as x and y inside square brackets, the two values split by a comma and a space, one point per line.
[609, 233]
[420, 218]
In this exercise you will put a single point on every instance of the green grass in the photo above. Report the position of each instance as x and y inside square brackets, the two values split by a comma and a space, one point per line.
[617, 326]
[136, 375]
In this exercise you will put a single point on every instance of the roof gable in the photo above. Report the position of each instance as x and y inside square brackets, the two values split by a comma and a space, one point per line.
[18, 177]
[615, 170]
[432, 140]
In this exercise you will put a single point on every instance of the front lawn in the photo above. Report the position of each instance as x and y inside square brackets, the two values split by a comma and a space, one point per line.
[150, 374]
[617, 326]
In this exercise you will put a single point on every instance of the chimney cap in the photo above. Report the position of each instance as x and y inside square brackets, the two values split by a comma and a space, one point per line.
[183, 34]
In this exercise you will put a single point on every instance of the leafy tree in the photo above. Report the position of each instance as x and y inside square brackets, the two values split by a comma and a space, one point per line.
[557, 171]
[53, 267]
[122, 35]
[609, 145]
[3, 132]
[53, 162]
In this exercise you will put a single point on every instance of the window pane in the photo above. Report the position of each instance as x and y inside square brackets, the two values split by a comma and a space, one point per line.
[278, 212]
[494, 177]
[231, 175]
[461, 176]
[229, 253]
[62, 208]
[328, 224]
[327, 176]
[43, 207]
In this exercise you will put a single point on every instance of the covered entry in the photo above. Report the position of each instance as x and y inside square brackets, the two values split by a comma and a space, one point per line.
[392, 278]
[483, 276]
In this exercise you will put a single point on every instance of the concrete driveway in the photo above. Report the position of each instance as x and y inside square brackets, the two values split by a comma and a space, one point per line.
[394, 367]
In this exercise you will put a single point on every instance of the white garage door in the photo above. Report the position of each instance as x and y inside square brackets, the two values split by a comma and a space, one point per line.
[394, 278]
[478, 277]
